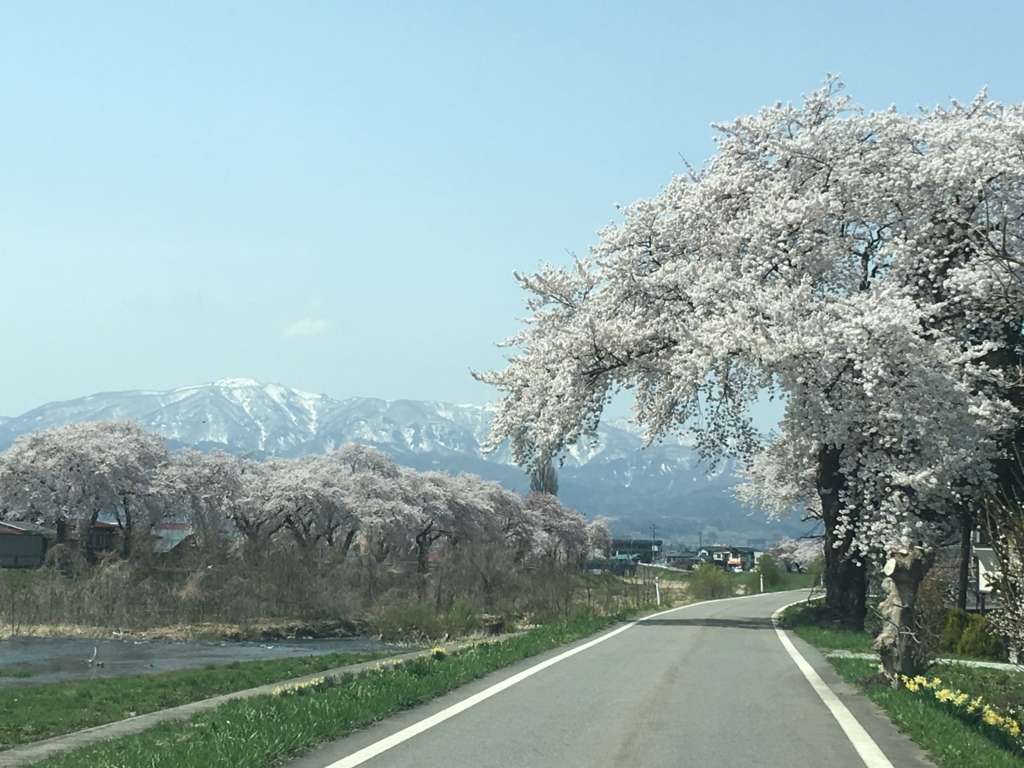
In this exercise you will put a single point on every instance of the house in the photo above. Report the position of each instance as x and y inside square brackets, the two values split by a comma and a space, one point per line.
[621, 564]
[169, 534]
[23, 545]
[984, 573]
[742, 558]
[729, 558]
[684, 559]
[646, 549]
[988, 569]
[99, 539]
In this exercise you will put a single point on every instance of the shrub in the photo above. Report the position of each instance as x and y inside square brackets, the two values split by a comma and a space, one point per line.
[462, 619]
[403, 622]
[953, 629]
[769, 570]
[816, 569]
[710, 582]
[980, 641]
[931, 616]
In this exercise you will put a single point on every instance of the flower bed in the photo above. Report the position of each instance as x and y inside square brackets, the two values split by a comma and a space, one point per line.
[1003, 728]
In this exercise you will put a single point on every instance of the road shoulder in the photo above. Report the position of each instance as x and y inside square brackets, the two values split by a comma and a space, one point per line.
[897, 746]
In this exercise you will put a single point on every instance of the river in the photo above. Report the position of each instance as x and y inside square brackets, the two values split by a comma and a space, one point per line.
[57, 659]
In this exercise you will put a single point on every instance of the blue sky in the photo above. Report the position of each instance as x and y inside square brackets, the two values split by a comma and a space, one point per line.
[334, 196]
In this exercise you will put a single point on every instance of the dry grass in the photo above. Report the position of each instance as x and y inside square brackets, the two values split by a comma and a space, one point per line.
[284, 596]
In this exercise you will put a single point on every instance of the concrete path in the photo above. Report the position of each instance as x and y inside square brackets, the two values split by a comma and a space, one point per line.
[952, 662]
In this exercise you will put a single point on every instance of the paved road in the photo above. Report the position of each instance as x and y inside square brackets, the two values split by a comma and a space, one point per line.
[709, 684]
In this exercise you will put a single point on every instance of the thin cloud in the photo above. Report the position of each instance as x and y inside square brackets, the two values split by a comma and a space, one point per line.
[307, 326]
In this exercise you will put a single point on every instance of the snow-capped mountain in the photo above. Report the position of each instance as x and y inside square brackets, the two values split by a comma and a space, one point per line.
[662, 485]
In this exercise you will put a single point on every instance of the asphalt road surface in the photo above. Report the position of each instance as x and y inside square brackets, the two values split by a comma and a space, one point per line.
[709, 684]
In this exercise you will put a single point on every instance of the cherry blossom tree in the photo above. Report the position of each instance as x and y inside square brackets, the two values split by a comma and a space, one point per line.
[1003, 521]
[206, 488]
[379, 495]
[599, 538]
[257, 517]
[316, 503]
[356, 457]
[562, 533]
[802, 552]
[544, 479]
[75, 473]
[518, 526]
[864, 266]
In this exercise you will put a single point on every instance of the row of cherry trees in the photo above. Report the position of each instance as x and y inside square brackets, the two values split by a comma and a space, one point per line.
[70, 477]
[866, 267]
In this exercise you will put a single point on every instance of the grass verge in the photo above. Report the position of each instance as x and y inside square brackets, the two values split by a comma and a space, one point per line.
[261, 730]
[952, 741]
[15, 673]
[37, 712]
[809, 622]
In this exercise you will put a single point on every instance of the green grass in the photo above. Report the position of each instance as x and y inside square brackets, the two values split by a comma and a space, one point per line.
[791, 581]
[262, 730]
[38, 712]
[952, 742]
[787, 581]
[664, 574]
[806, 621]
[749, 579]
[1003, 689]
[810, 624]
[16, 673]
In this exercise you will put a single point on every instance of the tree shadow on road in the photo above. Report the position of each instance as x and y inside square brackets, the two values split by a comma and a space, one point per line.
[740, 623]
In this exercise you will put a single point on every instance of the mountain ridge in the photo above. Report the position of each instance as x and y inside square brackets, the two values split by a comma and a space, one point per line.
[661, 485]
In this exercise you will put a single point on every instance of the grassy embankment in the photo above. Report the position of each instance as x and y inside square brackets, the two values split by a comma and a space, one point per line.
[750, 583]
[43, 711]
[282, 595]
[673, 581]
[31, 713]
[15, 673]
[955, 737]
[36, 712]
[709, 582]
[261, 730]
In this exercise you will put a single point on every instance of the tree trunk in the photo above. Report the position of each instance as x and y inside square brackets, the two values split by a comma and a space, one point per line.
[899, 644]
[127, 531]
[964, 574]
[422, 552]
[845, 580]
[346, 543]
[90, 551]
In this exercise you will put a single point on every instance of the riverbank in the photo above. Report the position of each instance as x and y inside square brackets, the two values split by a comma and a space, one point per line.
[255, 632]
[262, 729]
[29, 661]
[46, 710]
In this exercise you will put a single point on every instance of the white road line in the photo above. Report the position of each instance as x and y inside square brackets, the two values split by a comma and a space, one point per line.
[360, 757]
[366, 753]
[866, 747]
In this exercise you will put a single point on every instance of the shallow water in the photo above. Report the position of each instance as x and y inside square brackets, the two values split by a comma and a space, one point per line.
[57, 659]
